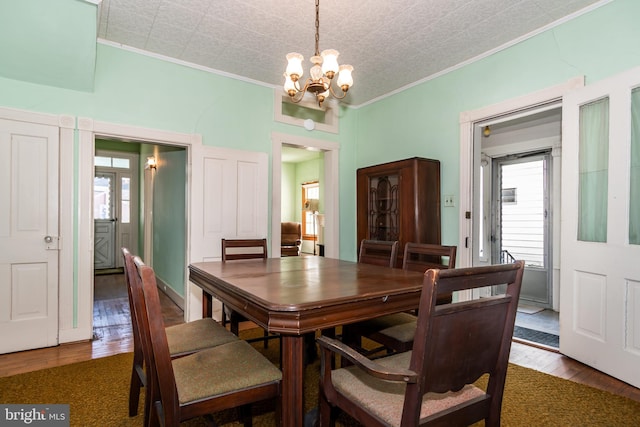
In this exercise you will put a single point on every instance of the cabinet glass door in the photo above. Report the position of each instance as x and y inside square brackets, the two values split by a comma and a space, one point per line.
[384, 212]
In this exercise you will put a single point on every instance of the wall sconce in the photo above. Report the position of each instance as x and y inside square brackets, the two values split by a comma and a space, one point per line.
[151, 163]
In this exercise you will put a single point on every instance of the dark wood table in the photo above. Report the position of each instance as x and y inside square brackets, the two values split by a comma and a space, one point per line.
[293, 296]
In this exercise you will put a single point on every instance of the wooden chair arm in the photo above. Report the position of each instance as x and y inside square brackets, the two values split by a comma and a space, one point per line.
[372, 368]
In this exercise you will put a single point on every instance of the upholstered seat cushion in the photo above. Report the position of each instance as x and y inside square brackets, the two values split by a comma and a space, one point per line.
[385, 398]
[229, 367]
[402, 332]
[197, 335]
[384, 322]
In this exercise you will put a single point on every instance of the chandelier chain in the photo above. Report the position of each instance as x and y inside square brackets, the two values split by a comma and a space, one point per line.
[317, 27]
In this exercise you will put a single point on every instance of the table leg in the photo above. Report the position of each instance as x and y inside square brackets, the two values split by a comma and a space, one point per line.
[207, 305]
[292, 380]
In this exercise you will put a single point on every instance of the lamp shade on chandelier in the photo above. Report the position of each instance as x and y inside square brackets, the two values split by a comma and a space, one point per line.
[322, 73]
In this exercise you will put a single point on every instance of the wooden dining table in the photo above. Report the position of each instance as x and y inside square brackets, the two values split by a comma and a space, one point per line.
[294, 296]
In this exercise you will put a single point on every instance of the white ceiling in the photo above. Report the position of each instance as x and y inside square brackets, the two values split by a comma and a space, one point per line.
[390, 43]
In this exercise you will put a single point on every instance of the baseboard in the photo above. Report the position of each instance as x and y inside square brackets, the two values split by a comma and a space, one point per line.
[171, 293]
[66, 336]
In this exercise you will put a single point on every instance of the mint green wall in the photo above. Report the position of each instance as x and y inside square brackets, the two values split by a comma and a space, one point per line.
[55, 46]
[311, 170]
[169, 217]
[424, 121]
[288, 192]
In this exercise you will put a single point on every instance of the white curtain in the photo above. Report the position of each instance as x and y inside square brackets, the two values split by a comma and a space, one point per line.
[634, 196]
[593, 170]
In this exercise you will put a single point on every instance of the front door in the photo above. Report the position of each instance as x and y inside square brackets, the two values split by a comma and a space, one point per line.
[521, 221]
[600, 253]
[28, 235]
[104, 220]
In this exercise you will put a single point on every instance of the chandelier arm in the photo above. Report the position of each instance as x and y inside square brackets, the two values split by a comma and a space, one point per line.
[336, 95]
[300, 92]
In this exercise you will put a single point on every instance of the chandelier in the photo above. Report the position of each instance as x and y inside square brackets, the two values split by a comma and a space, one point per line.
[322, 73]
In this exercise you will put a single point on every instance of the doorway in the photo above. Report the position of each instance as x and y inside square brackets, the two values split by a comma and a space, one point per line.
[521, 221]
[517, 188]
[115, 207]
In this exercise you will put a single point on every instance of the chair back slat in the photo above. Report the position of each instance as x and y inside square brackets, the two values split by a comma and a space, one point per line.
[423, 256]
[234, 249]
[378, 252]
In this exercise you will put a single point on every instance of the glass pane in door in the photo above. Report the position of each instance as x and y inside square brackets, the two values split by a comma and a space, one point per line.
[125, 202]
[102, 202]
[634, 196]
[593, 166]
[384, 212]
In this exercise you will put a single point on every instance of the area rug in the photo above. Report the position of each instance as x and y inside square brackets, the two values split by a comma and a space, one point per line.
[97, 392]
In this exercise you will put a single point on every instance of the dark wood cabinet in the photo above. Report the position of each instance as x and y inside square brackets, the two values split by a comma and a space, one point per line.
[399, 201]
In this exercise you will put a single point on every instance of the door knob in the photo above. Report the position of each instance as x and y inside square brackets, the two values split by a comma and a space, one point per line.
[48, 239]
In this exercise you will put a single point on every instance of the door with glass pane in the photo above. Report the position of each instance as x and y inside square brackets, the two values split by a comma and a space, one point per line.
[600, 253]
[521, 221]
[104, 220]
[115, 207]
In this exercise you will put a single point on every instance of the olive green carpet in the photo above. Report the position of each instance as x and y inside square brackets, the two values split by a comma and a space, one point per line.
[97, 392]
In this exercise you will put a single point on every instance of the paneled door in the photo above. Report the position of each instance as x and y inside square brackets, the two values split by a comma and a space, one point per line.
[104, 197]
[229, 200]
[600, 254]
[29, 238]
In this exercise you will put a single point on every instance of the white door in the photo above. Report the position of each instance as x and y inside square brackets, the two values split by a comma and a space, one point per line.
[28, 236]
[600, 253]
[104, 196]
[229, 200]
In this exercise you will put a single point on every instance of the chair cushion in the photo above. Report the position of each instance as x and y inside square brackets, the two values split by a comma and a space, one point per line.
[232, 366]
[385, 399]
[403, 332]
[388, 321]
[197, 335]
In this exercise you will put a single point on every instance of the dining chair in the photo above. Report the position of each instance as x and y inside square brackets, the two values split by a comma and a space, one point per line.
[433, 384]
[240, 249]
[395, 331]
[231, 375]
[378, 252]
[182, 339]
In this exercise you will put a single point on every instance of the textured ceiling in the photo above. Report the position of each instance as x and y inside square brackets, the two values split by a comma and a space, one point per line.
[390, 43]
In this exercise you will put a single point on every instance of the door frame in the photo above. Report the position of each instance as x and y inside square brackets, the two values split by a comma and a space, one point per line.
[88, 131]
[470, 156]
[331, 189]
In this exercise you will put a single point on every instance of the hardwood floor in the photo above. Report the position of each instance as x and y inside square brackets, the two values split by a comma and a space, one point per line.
[112, 333]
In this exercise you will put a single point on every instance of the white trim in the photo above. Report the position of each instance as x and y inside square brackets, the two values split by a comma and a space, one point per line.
[66, 200]
[467, 121]
[88, 131]
[330, 185]
[330, 109]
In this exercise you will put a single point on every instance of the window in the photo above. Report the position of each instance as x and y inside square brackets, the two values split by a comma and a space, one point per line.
[111, 162]
[310, 206]
[509, 196]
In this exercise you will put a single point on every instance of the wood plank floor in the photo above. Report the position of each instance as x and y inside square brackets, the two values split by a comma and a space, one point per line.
[112, 330]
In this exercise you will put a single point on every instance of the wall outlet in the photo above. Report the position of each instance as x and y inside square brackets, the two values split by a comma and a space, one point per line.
[448, 201]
